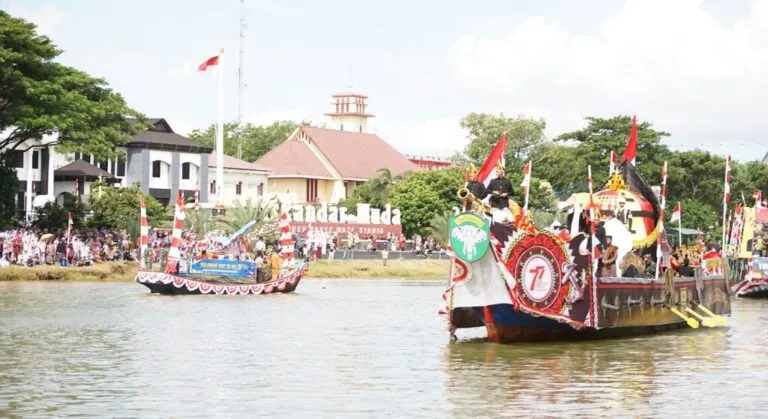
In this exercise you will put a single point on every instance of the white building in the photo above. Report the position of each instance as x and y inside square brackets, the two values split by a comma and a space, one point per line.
[162, 161]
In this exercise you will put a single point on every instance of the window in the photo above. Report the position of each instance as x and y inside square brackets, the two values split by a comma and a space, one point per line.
[239, 188]
[35, 159]
[311, 190]
[260, 189]
[361, 128]
[103, 165]
[87, 158]
[15, 158]
[341, 127]
[156, 169]
[213, 186]
[185, 171]
[121, 167]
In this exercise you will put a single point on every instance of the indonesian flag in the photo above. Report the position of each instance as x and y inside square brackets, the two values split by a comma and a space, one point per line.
[631, 151]
[676, 213]
[614, 161]
[526, 178]
[727, 187]
[208, 63]
[498, 155]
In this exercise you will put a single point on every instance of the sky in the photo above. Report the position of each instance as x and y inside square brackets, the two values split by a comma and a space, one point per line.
[697, 69]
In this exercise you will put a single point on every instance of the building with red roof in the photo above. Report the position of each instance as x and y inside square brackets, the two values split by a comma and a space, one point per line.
[325, 164]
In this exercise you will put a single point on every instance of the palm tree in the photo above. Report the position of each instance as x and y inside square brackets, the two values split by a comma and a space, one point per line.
[438, 228]
[380, 187]
[198, 222]
[260, 211]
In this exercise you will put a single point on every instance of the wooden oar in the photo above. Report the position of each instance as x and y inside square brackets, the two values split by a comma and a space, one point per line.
[691, 322]
[719, 319]
[706, 321]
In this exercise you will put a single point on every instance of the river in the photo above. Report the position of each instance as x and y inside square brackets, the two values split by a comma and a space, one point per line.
[343, 348]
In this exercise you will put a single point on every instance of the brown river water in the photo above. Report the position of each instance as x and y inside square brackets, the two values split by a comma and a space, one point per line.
[347, 348]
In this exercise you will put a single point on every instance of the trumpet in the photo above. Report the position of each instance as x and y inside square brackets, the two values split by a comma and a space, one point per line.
[470, 201]
[465, 195]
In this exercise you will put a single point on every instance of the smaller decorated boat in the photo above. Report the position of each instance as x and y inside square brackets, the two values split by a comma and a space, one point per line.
[750, 279]
[755, 281]
[219, 276]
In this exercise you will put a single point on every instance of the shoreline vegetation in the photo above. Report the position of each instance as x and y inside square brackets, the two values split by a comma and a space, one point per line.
[324, 269]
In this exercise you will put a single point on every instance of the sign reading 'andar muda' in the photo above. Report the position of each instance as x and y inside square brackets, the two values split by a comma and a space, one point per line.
[470, 236]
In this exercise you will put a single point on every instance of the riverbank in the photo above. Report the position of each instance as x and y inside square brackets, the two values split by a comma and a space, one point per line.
[126, 271]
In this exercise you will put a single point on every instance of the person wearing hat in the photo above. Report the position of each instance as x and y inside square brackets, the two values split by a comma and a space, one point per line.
[500, 189]
[474, 186]
[623, 214]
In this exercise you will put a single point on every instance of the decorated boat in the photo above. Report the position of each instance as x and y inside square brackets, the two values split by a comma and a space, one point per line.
[750, 276]
[218, 274]
[525, 284]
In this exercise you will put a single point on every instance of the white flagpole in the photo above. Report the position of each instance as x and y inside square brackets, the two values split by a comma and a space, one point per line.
[220, 132]
[680, 225]
[528, 186]
[726, 192]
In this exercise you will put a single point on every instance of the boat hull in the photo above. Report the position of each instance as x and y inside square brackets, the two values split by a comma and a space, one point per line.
[751, 288]
[622, 307]
[167, 284]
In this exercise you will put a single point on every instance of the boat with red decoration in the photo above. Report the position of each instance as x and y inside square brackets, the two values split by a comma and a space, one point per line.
[218, 274]
[525, 284]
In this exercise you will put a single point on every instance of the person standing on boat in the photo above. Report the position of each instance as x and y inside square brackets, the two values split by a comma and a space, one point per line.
[475, 187]
[499, 190]
[624, 215]
[610, 254]
[275, 262]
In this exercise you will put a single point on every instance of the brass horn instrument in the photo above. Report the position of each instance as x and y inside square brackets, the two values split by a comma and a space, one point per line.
[464, 194]
[470, 201]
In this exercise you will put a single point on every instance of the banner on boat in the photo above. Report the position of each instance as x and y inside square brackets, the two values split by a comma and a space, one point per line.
[223, 267]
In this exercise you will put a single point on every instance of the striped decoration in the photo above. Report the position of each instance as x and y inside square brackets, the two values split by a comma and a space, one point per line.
[286, 239]
[662, 206]
[144, 232]
[178, 225]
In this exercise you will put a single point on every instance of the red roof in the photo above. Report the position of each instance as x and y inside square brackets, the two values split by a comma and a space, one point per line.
[293, 159]
[357, 155]
[235, 163]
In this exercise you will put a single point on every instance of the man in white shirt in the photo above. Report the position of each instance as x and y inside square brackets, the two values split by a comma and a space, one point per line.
[260, 245]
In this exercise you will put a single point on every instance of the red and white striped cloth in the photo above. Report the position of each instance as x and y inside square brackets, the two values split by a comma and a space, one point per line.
[614, 162]
[144, 231]
[178, 225]
[286, 239]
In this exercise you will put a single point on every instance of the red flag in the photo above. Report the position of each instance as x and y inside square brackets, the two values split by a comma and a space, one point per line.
[631, 150]
[676, 213]
[614, 161]
[209, 62]
[497, 156]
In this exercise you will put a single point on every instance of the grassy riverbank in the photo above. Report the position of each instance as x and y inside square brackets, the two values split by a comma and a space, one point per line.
[126, 271]
[396, 268]
[109, 271]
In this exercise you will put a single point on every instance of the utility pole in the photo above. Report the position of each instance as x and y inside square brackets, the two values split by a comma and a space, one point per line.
[240, 81]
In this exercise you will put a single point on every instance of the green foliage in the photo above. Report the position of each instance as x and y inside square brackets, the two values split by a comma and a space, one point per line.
[422, 196]
[39, 96]
[53, 216]
[696, 215]
[257, 140]
[118, 208]
[240, 214]
[9, 186]
[485, 130]
[696, 175]
[198, 221]
[438, 228]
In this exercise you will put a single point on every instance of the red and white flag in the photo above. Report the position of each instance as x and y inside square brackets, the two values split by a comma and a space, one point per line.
[630, 153]
[208, 63]
[178, 225]
[614, 161]
[143, 231]
[758, 196]
[676, 214]
[498, 156]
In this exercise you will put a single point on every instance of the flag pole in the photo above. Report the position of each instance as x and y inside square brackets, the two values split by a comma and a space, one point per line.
[528, 186]
[661, 218]
[726, 191]
[220, 133]
[680, 224]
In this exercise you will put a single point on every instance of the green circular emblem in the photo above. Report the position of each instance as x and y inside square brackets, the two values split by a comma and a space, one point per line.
[469, 236]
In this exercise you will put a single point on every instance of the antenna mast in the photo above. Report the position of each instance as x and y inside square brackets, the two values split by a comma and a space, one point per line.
[240, 81]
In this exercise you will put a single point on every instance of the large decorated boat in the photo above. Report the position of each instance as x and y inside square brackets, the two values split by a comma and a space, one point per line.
[219, 274]
[525, 284]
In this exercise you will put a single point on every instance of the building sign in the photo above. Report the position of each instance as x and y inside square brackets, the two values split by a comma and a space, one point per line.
[335, 215]
[363, 230]
[223, 267]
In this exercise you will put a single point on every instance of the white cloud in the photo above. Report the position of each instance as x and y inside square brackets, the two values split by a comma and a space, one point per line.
[181, 72]
[671, 62]
[435, 137]
[48, 19]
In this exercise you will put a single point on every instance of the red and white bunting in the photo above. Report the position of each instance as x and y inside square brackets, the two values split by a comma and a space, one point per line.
[663, 206]
[526, 185]
[286, 239]
[144, 231]
[70, 224]
[726, 196]
[178, 225]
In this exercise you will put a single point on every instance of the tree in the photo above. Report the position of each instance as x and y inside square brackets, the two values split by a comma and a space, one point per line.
[696, 175]
[9, 188]
[257, 140]
[748, 178]
[438, 228]
[39, 96]
[696, 215]
[240, 214]
[53, 216]
[421, 196]
[593, 144]
[118, 208]
[379, 187]
[485, 130]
